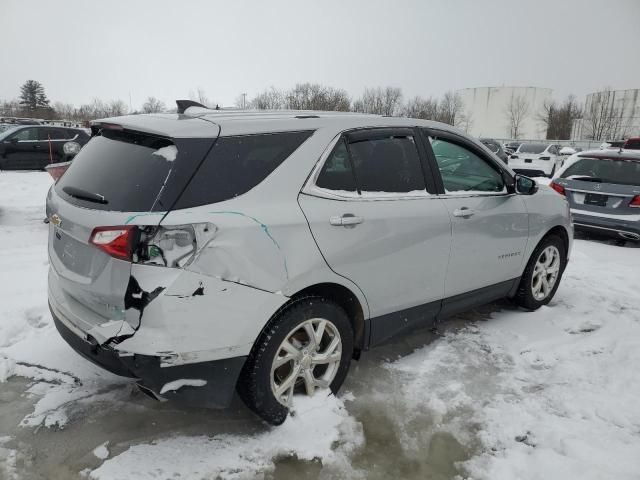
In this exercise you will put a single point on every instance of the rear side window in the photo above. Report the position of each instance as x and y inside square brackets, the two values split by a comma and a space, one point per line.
[127, 169]
[237, 164]
[389, 164]
[336, 173]
[623, 172]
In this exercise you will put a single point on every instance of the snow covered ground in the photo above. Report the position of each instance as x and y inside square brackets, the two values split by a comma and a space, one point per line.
[499, 394]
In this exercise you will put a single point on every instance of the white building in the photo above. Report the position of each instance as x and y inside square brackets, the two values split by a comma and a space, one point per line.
[488, 111]
[609, 115]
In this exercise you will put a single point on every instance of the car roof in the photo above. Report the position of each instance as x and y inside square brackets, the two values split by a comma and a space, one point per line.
[201, 122]
[611, 154]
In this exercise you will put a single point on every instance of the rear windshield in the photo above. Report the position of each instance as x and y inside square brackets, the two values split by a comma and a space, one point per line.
[125, 169]
[237, 164]
[623, 172]
[532, 147]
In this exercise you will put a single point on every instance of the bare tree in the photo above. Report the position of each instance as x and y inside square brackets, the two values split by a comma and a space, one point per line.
[418, 107]
[451, 109]
[380, 101]
[314, 96]
[153, 105]
[270, 99]
[516, 113]
[558, 118]
[603, 119]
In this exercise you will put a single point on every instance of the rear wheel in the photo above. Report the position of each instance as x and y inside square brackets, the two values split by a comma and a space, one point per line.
[542, 275]
[307, 346]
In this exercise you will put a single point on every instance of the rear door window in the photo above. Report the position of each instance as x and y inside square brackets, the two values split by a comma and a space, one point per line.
[389, 165]
[337, 172]
[237, 164]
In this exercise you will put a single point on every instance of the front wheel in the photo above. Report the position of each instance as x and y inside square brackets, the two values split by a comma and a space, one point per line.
[542, 275]
[306, 346]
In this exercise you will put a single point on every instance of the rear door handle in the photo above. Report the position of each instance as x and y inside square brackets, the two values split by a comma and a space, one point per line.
[345, 220]
[463, 212]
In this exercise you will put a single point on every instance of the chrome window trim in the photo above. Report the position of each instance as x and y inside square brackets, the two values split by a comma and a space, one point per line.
[630, 217]
[310, 187]
[598, 192]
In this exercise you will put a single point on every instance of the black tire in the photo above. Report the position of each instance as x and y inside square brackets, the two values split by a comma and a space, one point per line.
[254, 383]
[524, 296]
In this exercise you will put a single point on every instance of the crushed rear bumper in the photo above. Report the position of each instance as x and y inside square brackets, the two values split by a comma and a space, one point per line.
[208, 384]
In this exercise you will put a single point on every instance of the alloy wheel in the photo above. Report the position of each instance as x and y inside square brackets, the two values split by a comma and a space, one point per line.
[308, 358]
[545, 273]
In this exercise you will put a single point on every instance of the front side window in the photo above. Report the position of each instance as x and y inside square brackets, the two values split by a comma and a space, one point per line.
[464, 171]
[25, 134]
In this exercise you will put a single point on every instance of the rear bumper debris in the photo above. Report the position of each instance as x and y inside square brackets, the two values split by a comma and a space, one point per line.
[209, 384]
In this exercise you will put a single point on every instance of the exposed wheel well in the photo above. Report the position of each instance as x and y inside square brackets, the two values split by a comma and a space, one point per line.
[348, 301]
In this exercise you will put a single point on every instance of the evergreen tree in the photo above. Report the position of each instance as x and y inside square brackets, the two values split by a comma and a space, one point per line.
[32, 96]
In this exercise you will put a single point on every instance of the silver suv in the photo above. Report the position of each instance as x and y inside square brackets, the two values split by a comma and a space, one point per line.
[206, 252]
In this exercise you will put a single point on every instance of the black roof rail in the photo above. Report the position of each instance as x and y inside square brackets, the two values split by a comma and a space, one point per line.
[184, 104]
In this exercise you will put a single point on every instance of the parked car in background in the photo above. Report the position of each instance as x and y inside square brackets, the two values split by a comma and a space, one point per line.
[566, 151]
[603, 190]
[511, 147]
[33, 147]
[207, 251]
[6, 126]
[612, 145]
[536, 159]
[496, 148]
[632, 143]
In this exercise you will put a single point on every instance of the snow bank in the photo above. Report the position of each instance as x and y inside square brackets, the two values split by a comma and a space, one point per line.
[547, 394]
[321, 430]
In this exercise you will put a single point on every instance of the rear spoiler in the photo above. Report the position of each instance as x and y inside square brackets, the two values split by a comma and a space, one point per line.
[184, 104]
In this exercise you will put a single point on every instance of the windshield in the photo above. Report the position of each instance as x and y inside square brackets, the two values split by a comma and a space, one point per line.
[623, 172]
[532, 148]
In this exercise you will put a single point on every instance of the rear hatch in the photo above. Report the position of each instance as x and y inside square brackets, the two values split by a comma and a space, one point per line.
[121, 182]
[606, 187]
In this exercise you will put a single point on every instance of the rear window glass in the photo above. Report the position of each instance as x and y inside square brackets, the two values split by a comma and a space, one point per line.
[237, 164]
[128, 170]
[532, 148]
[623, 172]
[389, 164]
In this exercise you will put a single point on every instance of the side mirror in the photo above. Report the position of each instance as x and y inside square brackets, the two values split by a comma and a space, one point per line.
[12, 141]
[525, 185]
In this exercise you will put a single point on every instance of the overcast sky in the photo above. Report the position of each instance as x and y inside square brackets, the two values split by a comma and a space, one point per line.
[82, 49]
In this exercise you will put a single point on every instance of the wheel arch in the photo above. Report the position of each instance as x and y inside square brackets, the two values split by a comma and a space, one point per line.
[349, 301]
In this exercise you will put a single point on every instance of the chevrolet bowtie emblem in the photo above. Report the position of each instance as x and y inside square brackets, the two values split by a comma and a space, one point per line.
[55, 219]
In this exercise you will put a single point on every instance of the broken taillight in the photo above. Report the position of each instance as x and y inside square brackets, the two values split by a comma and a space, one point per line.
[116, 241]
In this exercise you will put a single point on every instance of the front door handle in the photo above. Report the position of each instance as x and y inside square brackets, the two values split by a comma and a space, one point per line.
[463, 212]
[348, 219]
